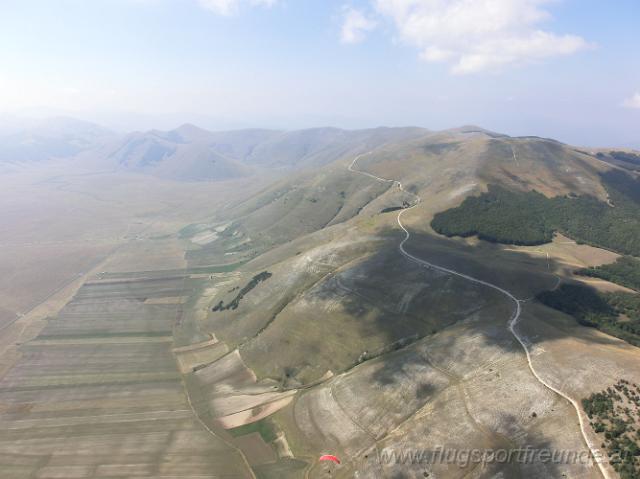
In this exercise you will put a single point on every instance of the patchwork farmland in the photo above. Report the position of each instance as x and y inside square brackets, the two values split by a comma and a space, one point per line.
[98, 392]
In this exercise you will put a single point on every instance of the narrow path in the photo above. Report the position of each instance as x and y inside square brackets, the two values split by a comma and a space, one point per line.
[595, 452]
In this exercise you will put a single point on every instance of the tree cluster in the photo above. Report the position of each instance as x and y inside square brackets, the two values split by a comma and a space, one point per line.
[529, 218]
[614, 414]
[617, 314]
[625, 271]
[235, 302]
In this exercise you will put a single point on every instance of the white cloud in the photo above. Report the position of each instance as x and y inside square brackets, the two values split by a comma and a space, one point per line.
[633, 101]
[477, 35]
[355, 25]
[230, 7]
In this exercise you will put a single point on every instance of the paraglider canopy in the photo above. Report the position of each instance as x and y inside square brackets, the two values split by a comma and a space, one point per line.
[329, 457]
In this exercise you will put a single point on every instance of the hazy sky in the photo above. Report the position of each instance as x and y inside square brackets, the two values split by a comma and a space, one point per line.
[568, 69]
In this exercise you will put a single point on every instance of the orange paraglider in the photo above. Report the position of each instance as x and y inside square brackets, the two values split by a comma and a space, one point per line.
[329, 457]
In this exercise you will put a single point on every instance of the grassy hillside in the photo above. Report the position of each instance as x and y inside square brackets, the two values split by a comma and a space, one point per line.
[291, 209]
[193, 154]
[319, 146]
[170, 155]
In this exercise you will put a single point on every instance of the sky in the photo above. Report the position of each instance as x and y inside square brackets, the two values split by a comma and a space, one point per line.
[566, 69]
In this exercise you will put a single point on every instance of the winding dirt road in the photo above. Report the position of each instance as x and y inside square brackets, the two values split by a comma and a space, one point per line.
[595, 451]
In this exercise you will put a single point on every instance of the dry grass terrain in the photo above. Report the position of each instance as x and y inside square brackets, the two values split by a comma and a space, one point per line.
[353, 303]
[343, 346]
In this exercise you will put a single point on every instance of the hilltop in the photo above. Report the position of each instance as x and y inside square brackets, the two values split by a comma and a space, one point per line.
[342, 312]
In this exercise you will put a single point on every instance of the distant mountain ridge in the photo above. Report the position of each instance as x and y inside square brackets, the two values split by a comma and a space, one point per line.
[186, 153]
[192, 154]
[24, 141]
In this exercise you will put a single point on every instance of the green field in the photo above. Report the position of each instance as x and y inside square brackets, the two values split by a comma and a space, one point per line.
[264, 427]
